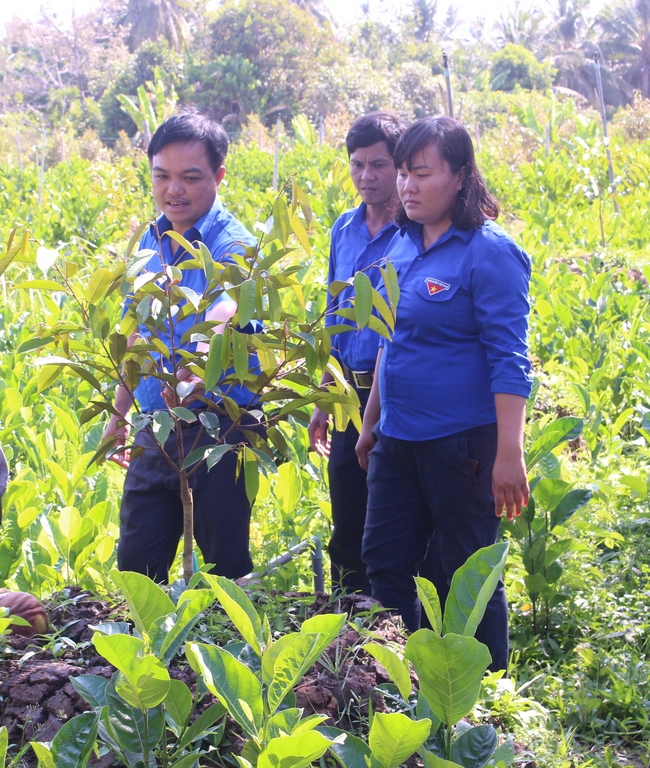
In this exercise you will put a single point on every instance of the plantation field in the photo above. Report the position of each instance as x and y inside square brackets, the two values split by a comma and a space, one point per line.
[578, 570]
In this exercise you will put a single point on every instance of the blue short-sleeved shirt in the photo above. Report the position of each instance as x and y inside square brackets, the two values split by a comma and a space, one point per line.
[223, 235]
[353, 250]
[461, 331]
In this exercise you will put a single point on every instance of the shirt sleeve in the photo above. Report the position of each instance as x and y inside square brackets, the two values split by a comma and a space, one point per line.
[500, 283]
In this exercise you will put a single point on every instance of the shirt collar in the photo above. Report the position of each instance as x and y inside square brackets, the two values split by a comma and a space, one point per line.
[358, 222]
[199, 231]
[414, 231]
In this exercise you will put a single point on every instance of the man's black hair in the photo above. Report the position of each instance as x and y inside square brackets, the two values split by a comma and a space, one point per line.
[372, 128]
[192, 125]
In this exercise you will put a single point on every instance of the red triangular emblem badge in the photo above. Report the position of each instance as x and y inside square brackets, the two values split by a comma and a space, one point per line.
[435, 286]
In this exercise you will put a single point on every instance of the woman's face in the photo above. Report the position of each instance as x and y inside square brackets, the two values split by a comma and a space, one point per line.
[429, 190]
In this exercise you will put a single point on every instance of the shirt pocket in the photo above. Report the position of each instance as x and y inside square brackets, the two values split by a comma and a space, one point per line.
[439, 306]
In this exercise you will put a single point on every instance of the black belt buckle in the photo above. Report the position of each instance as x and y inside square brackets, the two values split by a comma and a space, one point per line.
[362, 379]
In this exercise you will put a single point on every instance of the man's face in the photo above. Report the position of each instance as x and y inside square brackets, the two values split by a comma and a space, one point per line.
[184, 184]
[373, 173]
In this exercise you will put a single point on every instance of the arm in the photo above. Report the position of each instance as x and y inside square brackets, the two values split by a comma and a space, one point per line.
[318, 429]
[509, 482]
[366, 441]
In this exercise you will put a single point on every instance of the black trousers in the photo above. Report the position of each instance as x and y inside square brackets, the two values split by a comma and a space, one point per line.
[349, 496]
[151, 515]
[434, 494]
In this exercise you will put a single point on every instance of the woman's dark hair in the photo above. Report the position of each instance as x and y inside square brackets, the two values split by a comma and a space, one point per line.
[474, 204]
[372, 128]
[192, 125]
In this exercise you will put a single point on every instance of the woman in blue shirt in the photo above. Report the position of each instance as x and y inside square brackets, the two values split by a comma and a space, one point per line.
[442, 435]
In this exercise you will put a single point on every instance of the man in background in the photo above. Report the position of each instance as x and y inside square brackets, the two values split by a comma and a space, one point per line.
[359, 238]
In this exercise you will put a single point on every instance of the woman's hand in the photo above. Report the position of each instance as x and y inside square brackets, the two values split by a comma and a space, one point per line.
[318, 431]
[121, 435]
[509, 485]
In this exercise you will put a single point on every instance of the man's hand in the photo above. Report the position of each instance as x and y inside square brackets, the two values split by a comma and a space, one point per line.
[364, 446]
[509, 485]
[318, 431]
[170, 396]
[122, 458]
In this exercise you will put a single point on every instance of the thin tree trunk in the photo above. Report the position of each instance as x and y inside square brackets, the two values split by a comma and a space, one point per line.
[188, 527]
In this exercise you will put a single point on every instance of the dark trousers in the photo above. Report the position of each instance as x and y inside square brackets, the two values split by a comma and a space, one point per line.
[434, 494]
[349, 496]
[151, 515]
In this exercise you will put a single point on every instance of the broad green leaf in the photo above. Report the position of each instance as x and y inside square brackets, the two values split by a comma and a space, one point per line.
[428, 596]
[504, 754]
[472, 586]
[185, 414]
[287, 488]
[214, 455]
[291, 664]
[362, 299]
[126, 724]
[144, 683]
[293, 751]
[178, 702]
[636, 483]
[431, 760]
[147, 601]
[186, 616]
[44, 755]
[395, 737]
[450, 670]
[96, 290]
[391, 662]
[348, 750]
[45, 258]
[92, 688]
[281, 221]
[550, 491]
[572, 502]
[475, 746]
[232, 683]
[185, 244]
[40, 285]
[187, 761]
[119, 650]
[73, 744]
[282, 723]
[202, 725]
[161, 424]
[240, 610]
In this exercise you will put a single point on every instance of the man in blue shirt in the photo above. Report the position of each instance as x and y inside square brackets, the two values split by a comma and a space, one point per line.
[187, 155]
[359, 239]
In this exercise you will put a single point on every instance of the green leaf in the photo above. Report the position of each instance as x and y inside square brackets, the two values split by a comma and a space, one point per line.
[147, 601]
[240, 610]
[213, 367]
[450, 670]
[293, 751]
[549, 491]
[431, 760]
[214, 455]
[178, 702]
[428, 596]
[504, 754]
[290, 666]
[350, 751]
[561, 430]
[161, 425]
[391, 662]
[571, 503]
[126, 724]
[232, 683]
[395, 737]
[177, 626]
[73, 744]
[240, 356]
[41, 285]
[185, 414]
[92, 688]
[4, 742]
[35, 343]
[247, 301]
[44, 755]
[99, 282]
[202, 725]
[362, 299]
[475, 746]
[472, 586]
[144, 682]
[281, 221]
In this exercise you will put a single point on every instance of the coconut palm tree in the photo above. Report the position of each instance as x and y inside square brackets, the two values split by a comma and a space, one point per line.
[625, 41]
[151, 19]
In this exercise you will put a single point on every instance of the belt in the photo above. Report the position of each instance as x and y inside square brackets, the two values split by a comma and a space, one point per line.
[358, 379]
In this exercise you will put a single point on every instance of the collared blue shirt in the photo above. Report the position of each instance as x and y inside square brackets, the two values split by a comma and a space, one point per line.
[461, 331]
[223, 235]
[352, 250]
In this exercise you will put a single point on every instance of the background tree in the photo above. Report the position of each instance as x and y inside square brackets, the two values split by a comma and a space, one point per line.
[514, 66]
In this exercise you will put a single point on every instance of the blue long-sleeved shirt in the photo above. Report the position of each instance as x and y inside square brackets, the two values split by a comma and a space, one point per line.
[223, 235]
[461, 331]
[353, 250]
